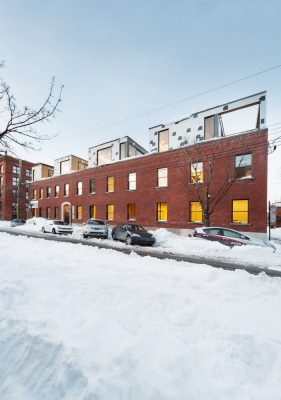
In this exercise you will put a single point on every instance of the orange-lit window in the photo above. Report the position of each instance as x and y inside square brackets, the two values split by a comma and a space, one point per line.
[196, 214]
[66, 189]
[93, 211]
[41, 193]
[110, 212]
[34, 194]
[57, 190]
[131, 212]
[196, 172]
[162, 212]
[240, 211]
[110, 184]
[79, 211]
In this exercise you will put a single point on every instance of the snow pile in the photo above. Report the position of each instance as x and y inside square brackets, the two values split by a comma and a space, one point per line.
[79, 323]
[276, 233]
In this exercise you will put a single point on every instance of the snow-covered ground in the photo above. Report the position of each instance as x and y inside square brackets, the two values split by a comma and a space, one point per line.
[168, 242]
[79, 323]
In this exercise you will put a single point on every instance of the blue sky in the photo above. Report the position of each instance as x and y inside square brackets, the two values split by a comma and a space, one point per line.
[119, 59]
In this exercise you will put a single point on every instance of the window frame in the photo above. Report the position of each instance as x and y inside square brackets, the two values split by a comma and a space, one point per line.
[191, 212]
[159, 178]
[108, 212]
[194, 173]
[160, 211]
[236, 168]
[110, 184]
[237, 222]
[134, 181]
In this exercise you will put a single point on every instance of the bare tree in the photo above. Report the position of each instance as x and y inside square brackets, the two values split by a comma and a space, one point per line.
[18, 125]
[204, 164]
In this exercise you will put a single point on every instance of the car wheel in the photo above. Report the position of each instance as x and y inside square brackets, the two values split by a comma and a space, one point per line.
[54, 231]
[128, 240]
[114, 236]
[43, 230]
[85, 236]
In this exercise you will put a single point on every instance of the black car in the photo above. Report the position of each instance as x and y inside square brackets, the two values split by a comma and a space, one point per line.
[132, 234]
[17, 222]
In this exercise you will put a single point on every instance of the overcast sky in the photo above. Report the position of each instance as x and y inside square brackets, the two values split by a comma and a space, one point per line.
[118, 59]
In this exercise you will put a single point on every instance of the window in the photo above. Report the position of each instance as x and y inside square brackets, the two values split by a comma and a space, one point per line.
[1, 169]
[162, 177]
[0, 205]
[1, 180]
[81, 165]
[79, 212]
[15, 193]
[209, 127]
[33, 175]
[27, 195]
[243, 166]
[196, 172]
[110, 184]
[240, 211]
[16, 169]
[195, 210]
[48, 212]
[56, 213]
[93, 185]
[48, 192]
[162, 212]
[28, 173]
[110, 212]
[163, 140]
[66, 189]
[57, 191]
[41, 194]
[104, 156]
[14, 207]
[15, 181]
[92, 211]
[79, 189]
[131, 212]
[34, 194]
[122, 152]
[132, 181]
[0, 193]
[64, 166]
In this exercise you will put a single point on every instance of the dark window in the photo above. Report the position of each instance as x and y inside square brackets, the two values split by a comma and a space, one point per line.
[93, 185]
[48, 192]
[243, 166]
[56, 212]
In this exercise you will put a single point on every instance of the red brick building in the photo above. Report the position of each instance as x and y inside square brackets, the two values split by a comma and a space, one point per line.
[15, 178]
[157, 190]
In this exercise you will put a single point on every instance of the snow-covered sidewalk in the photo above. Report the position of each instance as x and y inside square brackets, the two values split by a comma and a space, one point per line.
[77, 323]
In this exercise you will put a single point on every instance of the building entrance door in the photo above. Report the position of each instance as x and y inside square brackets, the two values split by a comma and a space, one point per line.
[66, 213]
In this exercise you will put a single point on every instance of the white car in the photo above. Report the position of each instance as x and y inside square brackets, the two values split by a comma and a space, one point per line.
[57, 226]
[95, 228]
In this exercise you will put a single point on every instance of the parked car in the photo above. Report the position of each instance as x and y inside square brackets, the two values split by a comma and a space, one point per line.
[18, 222]
[95, 228]
[229, 237]
[132, 234]
[57, 226]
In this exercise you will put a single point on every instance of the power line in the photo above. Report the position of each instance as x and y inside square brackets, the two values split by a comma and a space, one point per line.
[152, 110]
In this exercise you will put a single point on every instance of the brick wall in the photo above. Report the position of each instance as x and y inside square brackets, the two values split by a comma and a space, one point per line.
[179, 192]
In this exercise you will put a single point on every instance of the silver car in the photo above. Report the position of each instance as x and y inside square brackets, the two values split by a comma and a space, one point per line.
[95, 228]
[57, 226]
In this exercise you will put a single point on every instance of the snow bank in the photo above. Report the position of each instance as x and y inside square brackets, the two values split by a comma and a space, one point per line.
[81, 323]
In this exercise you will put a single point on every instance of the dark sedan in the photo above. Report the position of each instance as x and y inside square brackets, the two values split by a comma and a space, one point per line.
[132, 234]
[18, 222]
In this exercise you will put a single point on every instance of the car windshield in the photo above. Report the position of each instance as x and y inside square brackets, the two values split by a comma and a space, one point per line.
[136, 228]
[95, 222]
[60, 223]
